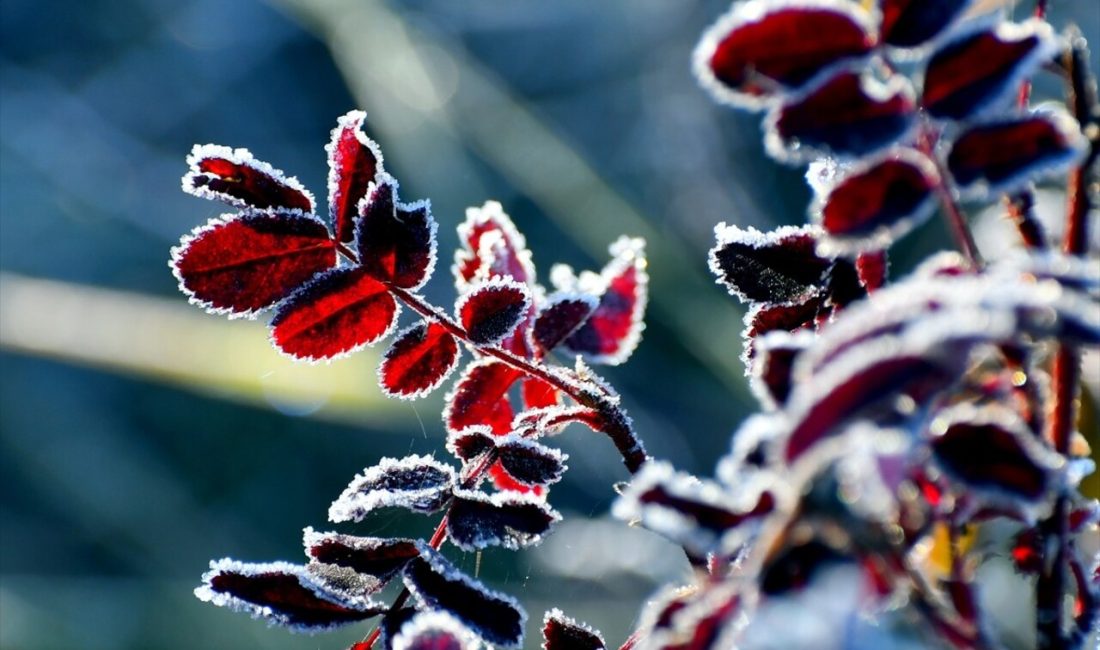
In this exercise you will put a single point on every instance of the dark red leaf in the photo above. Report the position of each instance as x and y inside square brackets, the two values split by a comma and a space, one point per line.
[435, 583]
[491, 310]
[613, 331]
[504, 482]
[354, 160]
[491, 247]
[559, 632]
[761, 48]
[336, 313]
[418, 483]
[234, 176]
[530, 463]
[909, 23]
[877, 202]
[560, 316]
[770, 374]
[476, 521]
[283, 593]
[480, 397]
[379, 557]
[780, 267]
[848, 115]
[242, 265]
[537, 393]
[434, 631]
[419, 360]
[396, 241]
[872, 267]
[983, 68]
[1000, 155]
[764, 318]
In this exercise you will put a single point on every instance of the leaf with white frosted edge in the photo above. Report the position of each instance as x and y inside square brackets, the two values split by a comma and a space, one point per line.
[240, 265]
[752, 450]
[763, 318]
[435, 583]
[551, 419]
[560, 315]
[762, 49]
[876, 202]
[420, 358]
[781, 266]
[612, 332]
[560, 632]
[480, 397]
[912, 23]
[693, 513]
[513, 520]
[770, 374]
[850, 114]
[434, 631]
[418, 483]
[471, 442]
[1003, 154]
[490, 310]
[379, 557]
[530, 463]
[396, 241]
[491, 247]
[283, 594]
[237, 178]
[354, 162]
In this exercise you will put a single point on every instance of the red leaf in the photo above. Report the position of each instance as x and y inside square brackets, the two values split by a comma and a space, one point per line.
[872, 267]
[764, 318]
[337, 313]
[613, 331]
[877, 202]
[909, 23]
[1000, 155]
[491, 247]
[396, 241]
[480, 397]
[234, 176]
[779, 267]
[537, 393]
[243, 265]
[491, 310]
[764, 47]
[984, 68]
[560, 316]
[354, 160]
[559, 632]
[848, 115]
[419, 360]
[434, 631]
[770, 375]
[379, 557]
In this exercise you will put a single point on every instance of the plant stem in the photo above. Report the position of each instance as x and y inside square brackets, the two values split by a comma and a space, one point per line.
[956, 222]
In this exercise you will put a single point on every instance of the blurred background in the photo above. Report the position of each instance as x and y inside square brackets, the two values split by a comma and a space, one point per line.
[140, 437]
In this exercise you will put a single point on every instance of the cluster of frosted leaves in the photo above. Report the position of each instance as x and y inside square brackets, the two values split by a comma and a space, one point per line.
[890, 96]
[899, 412]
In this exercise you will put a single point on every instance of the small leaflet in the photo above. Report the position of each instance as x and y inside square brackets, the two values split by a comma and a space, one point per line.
[419, 360]
[560, 316]
[396, 241]
[435, 583]
[491, 247]
[476, 520]
[848, 115]
[378, 557]
[418, 483]
[912, 23]
[537, 394]
[991, 452]
[559, 632]
[762, 48]
[770, 375]
[235, 177]
[612, 332]
[530, 463]
[354, 162]
[471, 442]
[693, 513]
[434, 631]
[780, 267]
[480, 397]
[283, 594]
[982, 68]
[242, 265]
[337, 313]
[763, 318]
[491, 310]
[877, 202]
[1001, 155]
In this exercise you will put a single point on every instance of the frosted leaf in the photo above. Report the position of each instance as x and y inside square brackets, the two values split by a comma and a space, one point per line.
[559, 632]
[283, 594]
[763, 318]
[752, 450]
[435, 583]
[421, 358]
[823, 174]
[480, 397]
[509, 519]
[434, 631]
[471, 442]
[418, 483]
[777, 267]
[560, 316]
[491, 247]
[237, 178]
[490, 311]
[378, 557]
[770, 375]
[912, 23]
[537, 393]
[550, 420]
[396, 241]
[354, 162]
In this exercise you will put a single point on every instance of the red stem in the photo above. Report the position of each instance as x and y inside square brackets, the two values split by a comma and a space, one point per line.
[956, 222]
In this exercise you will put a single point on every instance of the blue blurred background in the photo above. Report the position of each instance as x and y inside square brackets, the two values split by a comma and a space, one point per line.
[140, 438]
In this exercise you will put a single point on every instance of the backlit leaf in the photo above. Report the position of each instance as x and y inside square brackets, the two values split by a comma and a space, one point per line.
[354, 161]
[421, 357]
[396, 240]
[491, 310]
[234, 176]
